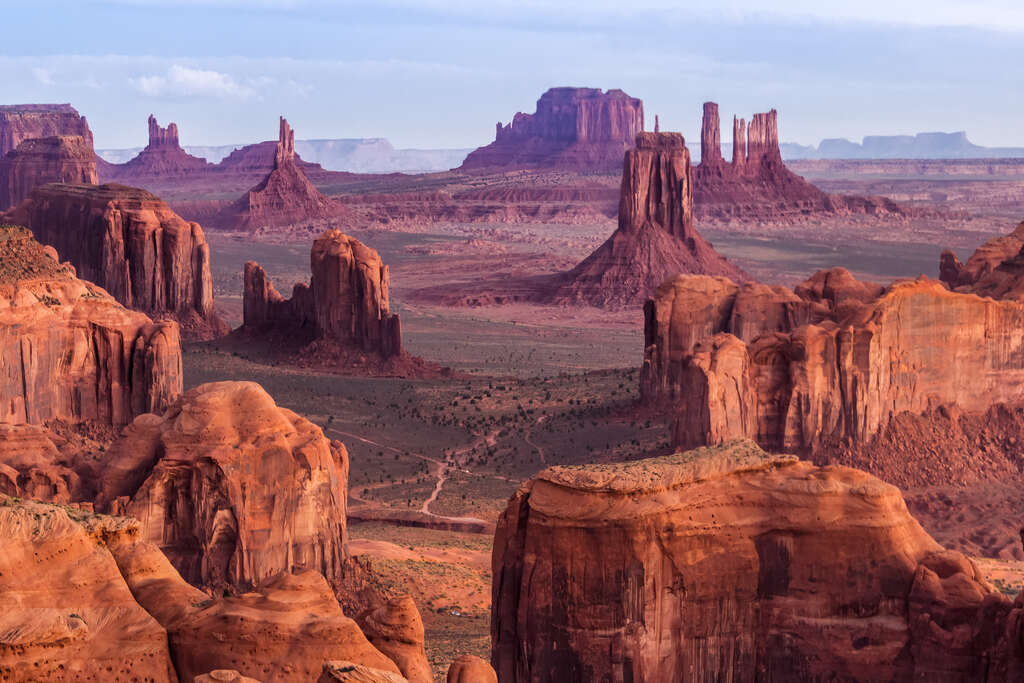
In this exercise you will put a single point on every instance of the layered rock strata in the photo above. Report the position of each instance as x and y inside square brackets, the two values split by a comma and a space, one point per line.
[827, 367]
[346, 302]
[20, 122]
[69, 350]
[581, 129]
[38, 161]
[232, 488]
[285, 197]
[133, 245]
[731, 564]
[656, 237]
[163, 157]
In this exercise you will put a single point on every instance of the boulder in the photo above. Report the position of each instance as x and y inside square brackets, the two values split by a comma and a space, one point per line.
[470, 669]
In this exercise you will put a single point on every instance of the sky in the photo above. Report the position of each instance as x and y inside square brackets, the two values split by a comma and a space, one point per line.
[441, 73]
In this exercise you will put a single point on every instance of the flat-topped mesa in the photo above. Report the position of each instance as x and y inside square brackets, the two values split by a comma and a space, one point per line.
[811, 370]
[68, 350]
[581, 129]
[132, 244]
[345, 303]
[710, 135]
[285, 197]
[20, 122]
[656, 237]
[38, 161]
[731, 564]
[162, 137]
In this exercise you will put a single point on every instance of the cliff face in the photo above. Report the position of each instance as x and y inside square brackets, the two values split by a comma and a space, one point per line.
[69, 350]
[20, 122]
[656, 237]
[346, 301]
[38, 161]
[731, 564]
[130, 243]
[826, 367]
[573, 128]
[264, 490]
[284, 197]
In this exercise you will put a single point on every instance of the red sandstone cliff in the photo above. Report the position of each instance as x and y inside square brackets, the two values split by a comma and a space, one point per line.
[163, 157]
[733, 565]
[20, 122]
[346, 302]
[285, 197]
[656, 237]
[69, 350]
[130, 243]
[38, 161]
[582, 129]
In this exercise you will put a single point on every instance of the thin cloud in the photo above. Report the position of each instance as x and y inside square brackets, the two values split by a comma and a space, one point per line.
[191, 82]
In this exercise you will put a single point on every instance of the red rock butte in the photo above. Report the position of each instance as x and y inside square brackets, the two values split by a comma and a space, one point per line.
[20, 122]
[68, 350]
[346, 302]
[285, 197]
[133, 245]
[756, 184]
[837, 368]
[38, 161]
[162, 157]
[656, 238]
[581, 129]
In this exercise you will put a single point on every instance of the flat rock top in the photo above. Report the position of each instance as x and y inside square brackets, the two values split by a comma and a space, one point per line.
[667, 472]
[98, 193]
[22, 258]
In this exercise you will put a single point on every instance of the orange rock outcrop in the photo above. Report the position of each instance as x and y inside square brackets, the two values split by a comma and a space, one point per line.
[69, 350]
[396, 629]
[232, 488]
[731, 564]
[20, 122]
[470, 669]
[38, 161]
[129, 242]
[656, 237]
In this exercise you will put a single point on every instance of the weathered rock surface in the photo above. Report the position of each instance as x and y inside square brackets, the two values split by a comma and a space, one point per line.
[395, 628]
[470, 669]
[348, 672]
[68, 614]
[32, 467]
[731, 564]
[69, 350]
[133, 245]
[285, 197]
[224, 676]
[346, 302]
[232, 488]
[20, 122]
[757, 185]
[581, 129]
[162, 157]
[831, 363]
[980, 270]
[656, 237]
[38, 161]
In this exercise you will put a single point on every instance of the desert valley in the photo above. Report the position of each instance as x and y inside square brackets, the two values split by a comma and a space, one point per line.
[600, 402]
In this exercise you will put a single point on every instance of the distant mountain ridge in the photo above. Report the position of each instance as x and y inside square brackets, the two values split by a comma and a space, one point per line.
[357, 155]
[920, 146]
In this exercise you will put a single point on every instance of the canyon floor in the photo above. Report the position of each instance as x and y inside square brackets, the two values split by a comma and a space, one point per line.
[433, 462]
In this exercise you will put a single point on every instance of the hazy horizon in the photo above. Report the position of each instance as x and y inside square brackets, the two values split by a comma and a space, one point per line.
[440, 73]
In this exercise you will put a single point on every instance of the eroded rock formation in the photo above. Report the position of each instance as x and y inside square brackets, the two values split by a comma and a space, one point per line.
[20, 122]
[162, 157]
[836, 368]
[284, 198]
[38, 161]
[395, 628]
[470, 669]
[581, 129]
[69, 350]
[346, 302]
[757, 185]
[656, 237]
[731, 564]
[133, 245]
[232, 488]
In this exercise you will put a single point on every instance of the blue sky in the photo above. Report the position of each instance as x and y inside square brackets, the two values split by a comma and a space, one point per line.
[440, 73]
